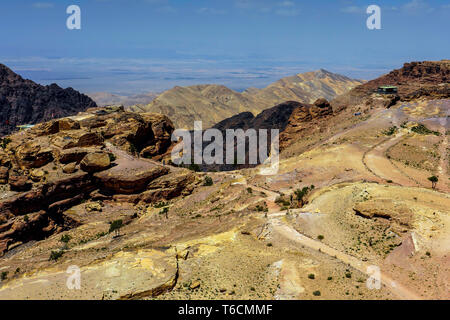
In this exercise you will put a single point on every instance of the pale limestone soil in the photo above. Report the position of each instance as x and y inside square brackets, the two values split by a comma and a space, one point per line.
[399, 291]
[380, 166]
[244, 267]
[330, 214]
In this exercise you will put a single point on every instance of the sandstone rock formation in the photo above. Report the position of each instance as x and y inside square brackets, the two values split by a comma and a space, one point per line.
[40, 169]
[426, 79]
[292, 119]
[95, 162]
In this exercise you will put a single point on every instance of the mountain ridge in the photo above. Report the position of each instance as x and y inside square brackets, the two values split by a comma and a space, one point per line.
[23, 101]
[184, 105]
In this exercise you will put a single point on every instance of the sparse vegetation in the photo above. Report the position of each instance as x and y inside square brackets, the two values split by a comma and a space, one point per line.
[311, 276]
[65, 238]
[208, 181]
[300, 194]
[391, 131]
[112, 157]
[161, 205]
[421, 129]
[194, 167]
[4, 275]
[115, 227]
[434, 180]
[55, 255]
[4, 142]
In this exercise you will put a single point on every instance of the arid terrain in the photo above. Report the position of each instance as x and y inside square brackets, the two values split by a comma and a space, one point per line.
[214, 103]
[352, 195]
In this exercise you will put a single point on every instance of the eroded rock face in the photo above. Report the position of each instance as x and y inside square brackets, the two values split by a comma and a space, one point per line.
[19, 182]
[425, 79]
[26, 102]
[122, 181]
[302, 121]
[385, 209]
[95, 162]
[40, 168]
[33, 155]
[169, 187]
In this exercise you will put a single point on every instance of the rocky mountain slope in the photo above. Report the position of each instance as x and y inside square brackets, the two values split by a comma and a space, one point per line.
[214, 103]
[290, 118]
[26, 102]
[109, 99]
[303, 87]
[352, 197]
[426, 79]
[56, 165]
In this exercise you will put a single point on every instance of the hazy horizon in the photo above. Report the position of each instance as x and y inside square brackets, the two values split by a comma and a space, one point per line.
[140, 46]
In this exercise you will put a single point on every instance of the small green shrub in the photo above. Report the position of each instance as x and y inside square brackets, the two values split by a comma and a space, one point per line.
[194, 167]
[116, 226]
[112, 157]
[65, 238]
[4, 275]
[391, 131]
[4, 142]
[55, 255]
[208, 181]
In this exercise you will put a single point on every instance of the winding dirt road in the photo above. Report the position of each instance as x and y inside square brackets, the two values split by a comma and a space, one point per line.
[290, 233]
[376, 162]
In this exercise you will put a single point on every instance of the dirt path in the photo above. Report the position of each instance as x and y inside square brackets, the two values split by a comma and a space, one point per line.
[443, 150]
[376, 162]
[290, 233]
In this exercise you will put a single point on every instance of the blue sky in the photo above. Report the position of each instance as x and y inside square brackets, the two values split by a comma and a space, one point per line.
[132, 46]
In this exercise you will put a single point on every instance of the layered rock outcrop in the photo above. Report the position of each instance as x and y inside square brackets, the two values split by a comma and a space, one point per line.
[56, 165]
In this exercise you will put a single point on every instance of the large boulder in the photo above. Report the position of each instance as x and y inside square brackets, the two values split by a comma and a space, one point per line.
[70, 168]
[68, 124]
[170, 186]
[95, 162]
[123, 180]
[33, 155]
[19, 182]
[72, 155]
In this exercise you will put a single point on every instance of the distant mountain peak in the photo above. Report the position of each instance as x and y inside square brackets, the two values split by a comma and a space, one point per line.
[213, 103]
